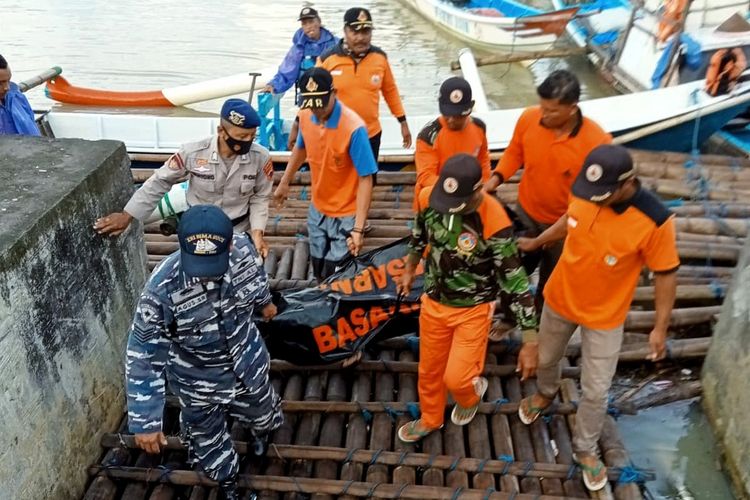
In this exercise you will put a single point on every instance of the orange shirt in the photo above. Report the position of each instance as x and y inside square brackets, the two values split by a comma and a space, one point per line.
[436, 143]
[550, 164]
[604, 253]
[339, 154]
[359, 84]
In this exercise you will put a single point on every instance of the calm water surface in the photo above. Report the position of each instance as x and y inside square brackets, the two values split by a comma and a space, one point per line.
[153, 44]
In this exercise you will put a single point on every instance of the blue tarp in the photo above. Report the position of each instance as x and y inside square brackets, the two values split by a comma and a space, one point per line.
[692, 58]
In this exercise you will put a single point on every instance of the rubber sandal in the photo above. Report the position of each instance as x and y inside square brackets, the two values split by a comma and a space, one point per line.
[589, 474]
[530, 415]
[409, 433]
[461, 415]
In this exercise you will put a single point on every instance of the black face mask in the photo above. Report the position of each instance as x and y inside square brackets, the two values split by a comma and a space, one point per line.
[237, 146]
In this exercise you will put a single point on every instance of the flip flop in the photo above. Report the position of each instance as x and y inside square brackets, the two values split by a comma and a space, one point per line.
[461, 415]
[410, 433]
[532, 413]
[590, 473]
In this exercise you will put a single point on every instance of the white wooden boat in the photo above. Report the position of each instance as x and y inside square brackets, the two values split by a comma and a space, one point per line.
[504, 24]
[656, 119]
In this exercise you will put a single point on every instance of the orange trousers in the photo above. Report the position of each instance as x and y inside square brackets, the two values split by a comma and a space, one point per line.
[452, 349]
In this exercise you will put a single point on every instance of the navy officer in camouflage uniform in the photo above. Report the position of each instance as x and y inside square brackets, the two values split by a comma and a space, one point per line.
[228, 170]
[193, 327]
[472, 257]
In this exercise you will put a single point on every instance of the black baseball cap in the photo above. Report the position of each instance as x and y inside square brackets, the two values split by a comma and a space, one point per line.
[205, 234]
[460, 177]
[308, 13]
[315, 86]
[604, 169]
[358, 18]
[455, 97]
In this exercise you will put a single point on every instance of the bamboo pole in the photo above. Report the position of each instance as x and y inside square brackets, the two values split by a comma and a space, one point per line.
[501, 436]
[388, 458]
[543, 450]
[681, 391]
[407, 385]
[521, 438]
[283, 435]
[615, 455]
[382, 424]
[356, 431]
[307, 431]
[680, 317]
[454, 445]
[310, 485]
[330, 434]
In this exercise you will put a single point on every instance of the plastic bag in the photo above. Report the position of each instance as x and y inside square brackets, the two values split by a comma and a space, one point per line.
[354, 307]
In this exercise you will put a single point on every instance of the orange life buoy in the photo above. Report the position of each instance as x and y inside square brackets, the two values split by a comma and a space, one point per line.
[724, 70]
[673, 10]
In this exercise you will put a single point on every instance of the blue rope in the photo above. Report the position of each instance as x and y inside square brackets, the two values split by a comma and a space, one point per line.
[508, 459]
[375, 456]
[528, 467]
[401, 490]
[482, 465]
[276, 221]
[488, 493]
[346, 487]
[547, 418]
[454, 464]
[499, 402]
[630, 474]
[431, 460]
[572, 471]
[366, 414]
[398, 189]
[717, 289]
[457, 493]
[402, 458]
[394, 414]
[614, 411]
[413, 410]
[372, 490]
[303, 193]
[349, 455]
[412, 341]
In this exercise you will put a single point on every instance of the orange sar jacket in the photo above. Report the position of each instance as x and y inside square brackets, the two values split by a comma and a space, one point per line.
[359, 84]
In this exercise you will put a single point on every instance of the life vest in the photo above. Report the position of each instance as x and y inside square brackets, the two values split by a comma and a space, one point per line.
[673, 10]
[724, 70]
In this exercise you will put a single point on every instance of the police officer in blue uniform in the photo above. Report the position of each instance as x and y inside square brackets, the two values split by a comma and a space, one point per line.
[193, 327]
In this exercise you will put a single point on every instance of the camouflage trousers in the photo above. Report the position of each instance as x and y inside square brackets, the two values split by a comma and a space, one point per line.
[204, 425]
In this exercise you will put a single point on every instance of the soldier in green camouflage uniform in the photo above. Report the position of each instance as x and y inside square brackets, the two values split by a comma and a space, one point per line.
[471, 257]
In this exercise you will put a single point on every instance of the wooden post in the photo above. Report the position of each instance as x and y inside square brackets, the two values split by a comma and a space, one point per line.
[356, 432]
[501, 437]
[307, 431]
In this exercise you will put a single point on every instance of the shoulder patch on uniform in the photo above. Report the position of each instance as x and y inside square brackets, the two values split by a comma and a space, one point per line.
[648, 204]
[479, 123]
[430, 132]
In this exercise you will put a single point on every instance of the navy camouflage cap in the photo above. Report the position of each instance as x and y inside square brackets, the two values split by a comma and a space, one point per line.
[204, 233]
[240, 113]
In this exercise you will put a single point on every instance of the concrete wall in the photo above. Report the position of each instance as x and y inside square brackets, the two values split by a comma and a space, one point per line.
[66, 300]
[726, 377]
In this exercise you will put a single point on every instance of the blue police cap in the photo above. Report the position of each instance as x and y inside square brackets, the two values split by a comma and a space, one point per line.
[240, 113]
[204, 233]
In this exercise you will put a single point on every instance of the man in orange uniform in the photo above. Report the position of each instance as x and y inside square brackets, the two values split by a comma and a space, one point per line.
[614, 227]
[472, 257]
[454, 131]
[361, 72]
[333, 140]
[550, 141]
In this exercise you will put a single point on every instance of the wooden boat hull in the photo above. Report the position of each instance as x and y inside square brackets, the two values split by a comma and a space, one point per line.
[59, 89]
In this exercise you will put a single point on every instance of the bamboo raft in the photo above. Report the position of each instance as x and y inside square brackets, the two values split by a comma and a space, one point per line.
[339, 441]
[339, 437]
